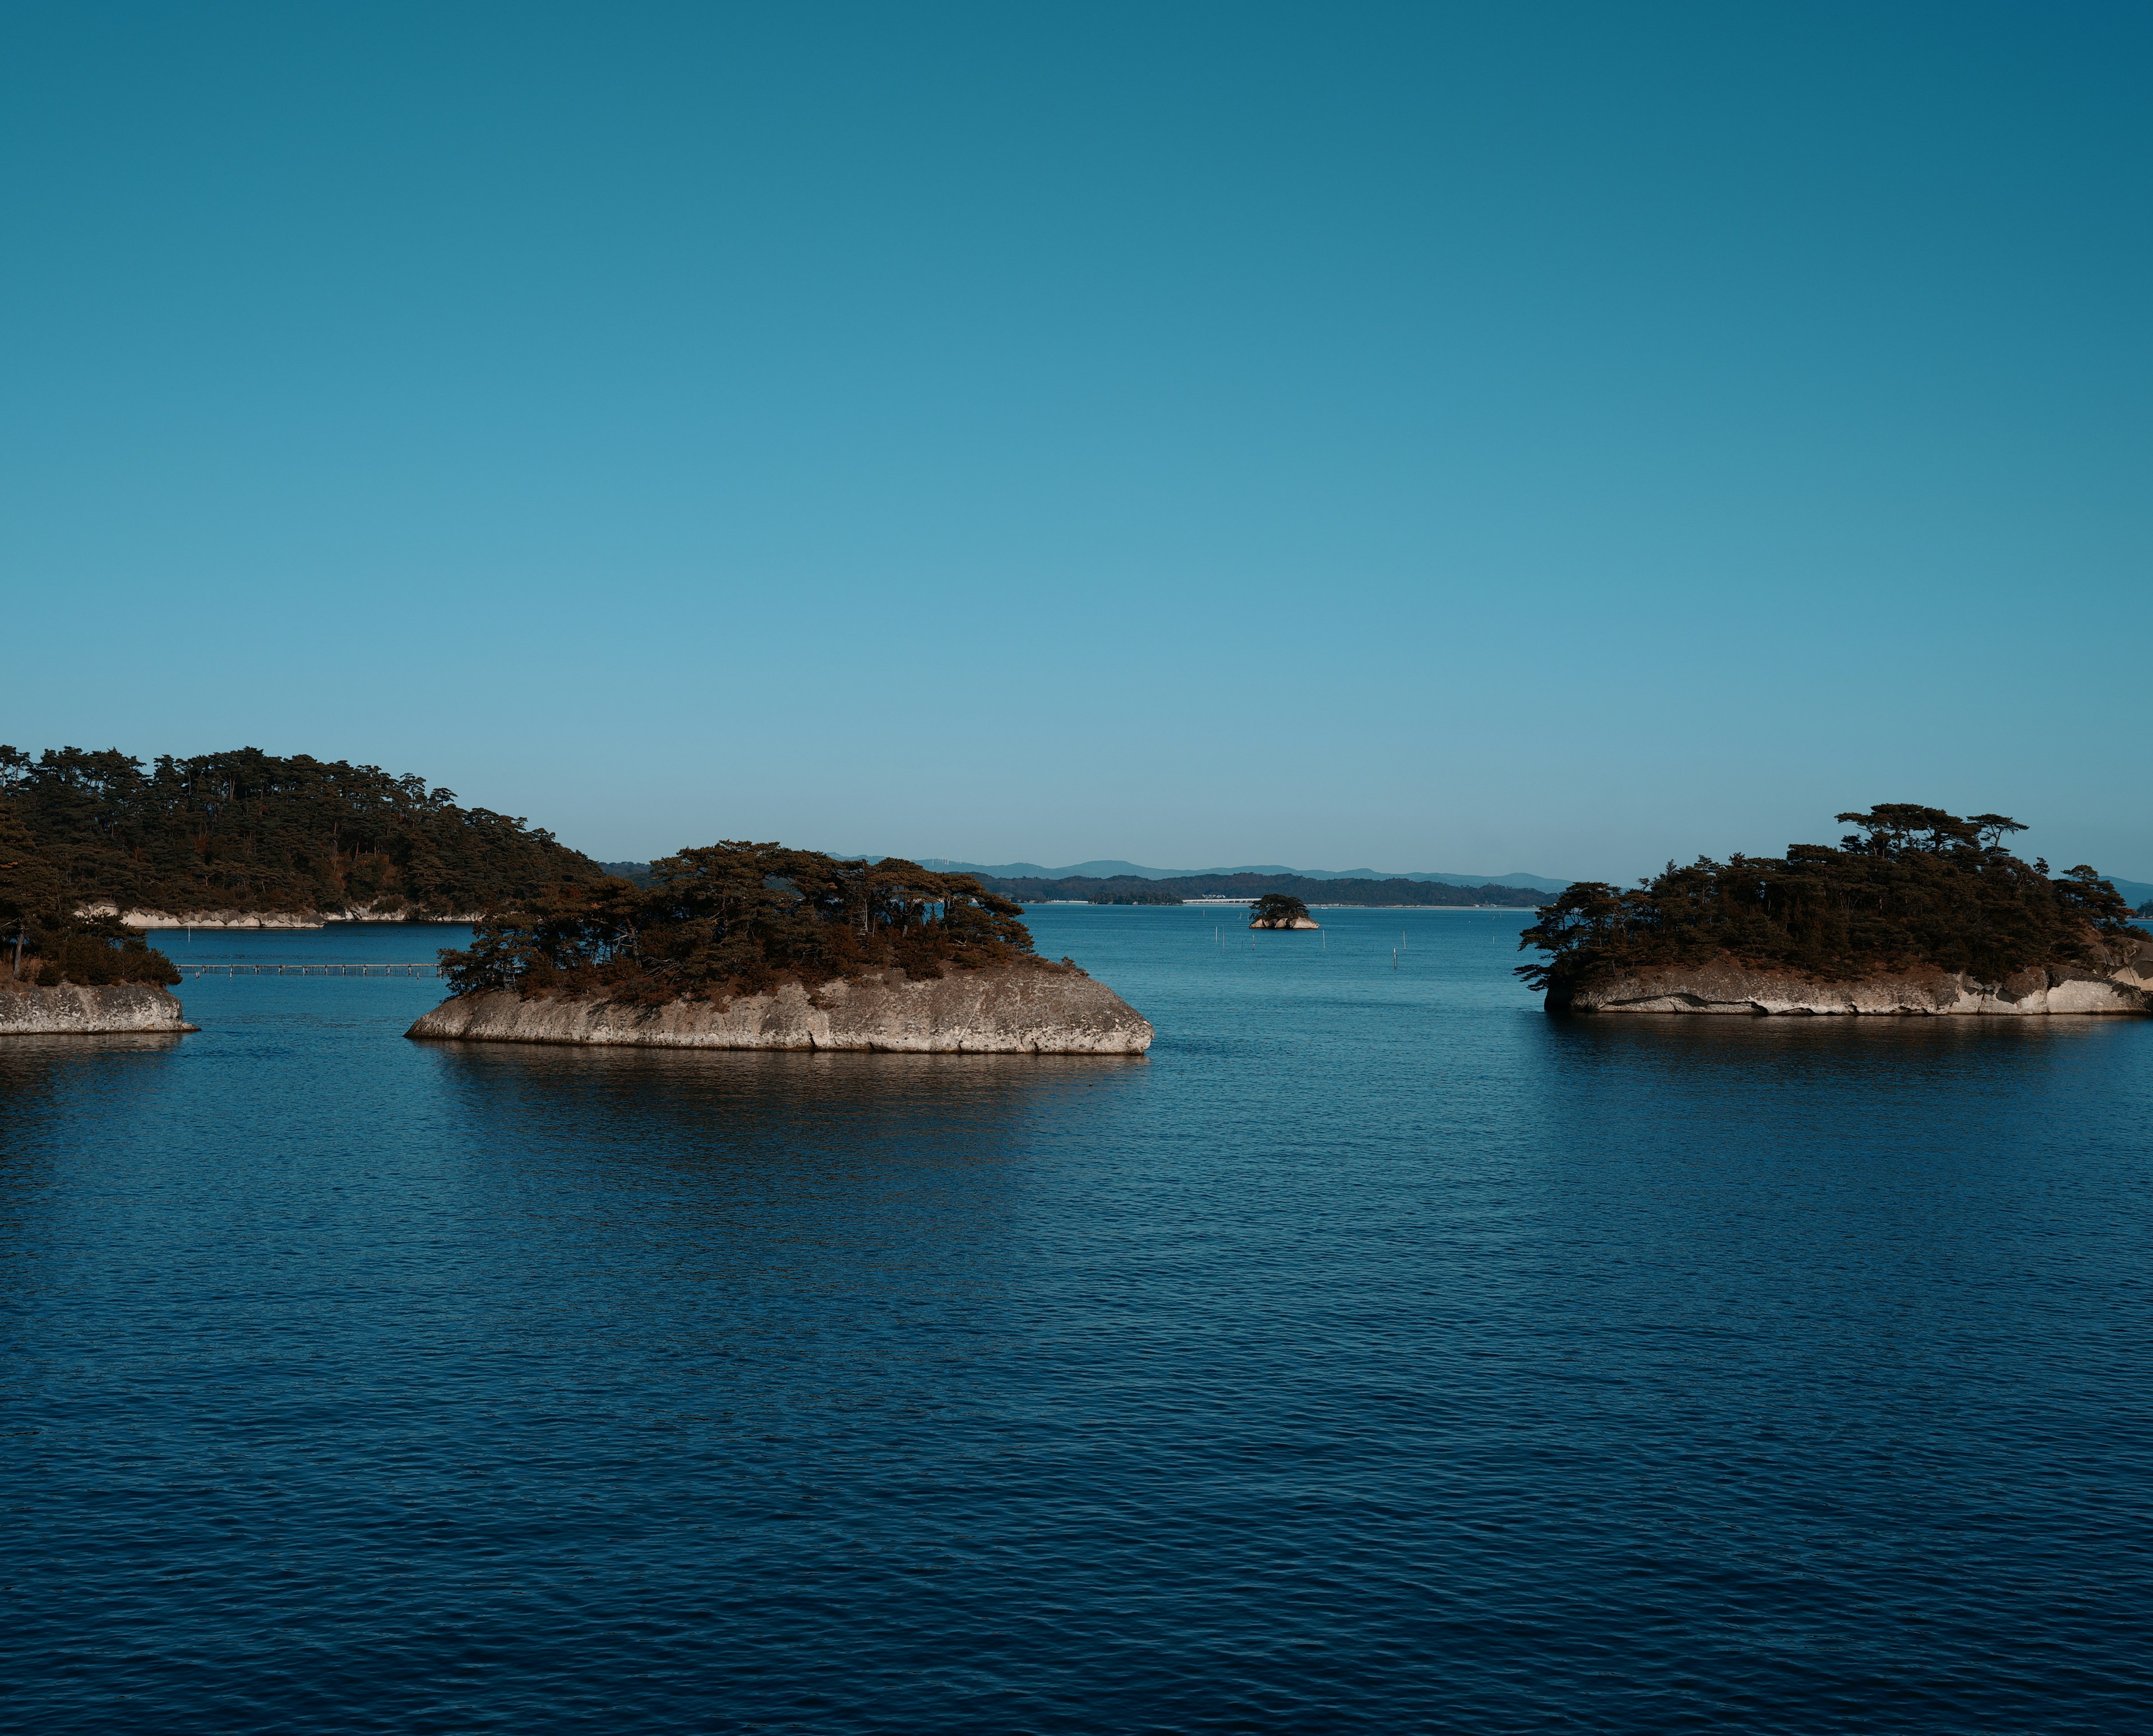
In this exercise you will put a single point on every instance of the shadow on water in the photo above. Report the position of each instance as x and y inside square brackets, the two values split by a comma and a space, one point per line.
[726, 1100]
[18, 1049]
[1920, 1053]
[1865, 1185]
[43, 1077]
[729, 1161]
[1791, 1101]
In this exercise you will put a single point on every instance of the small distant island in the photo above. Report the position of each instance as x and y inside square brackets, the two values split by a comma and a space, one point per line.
[1917, 911]
[1280, 910]
[739, 945]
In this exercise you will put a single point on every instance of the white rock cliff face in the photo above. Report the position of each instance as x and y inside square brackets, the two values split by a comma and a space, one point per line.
[1286, 922]
[67, 1010]
[1016, 1009]
[2126, 986]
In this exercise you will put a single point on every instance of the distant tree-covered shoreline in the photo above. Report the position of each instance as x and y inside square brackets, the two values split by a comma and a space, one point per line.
[1136, 889]
[1911, 886]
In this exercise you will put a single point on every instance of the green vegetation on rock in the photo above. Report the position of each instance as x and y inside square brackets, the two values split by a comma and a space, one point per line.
[39, 930]
[1909, 886]
[1277, 910]
[739, 918]
[95, 953]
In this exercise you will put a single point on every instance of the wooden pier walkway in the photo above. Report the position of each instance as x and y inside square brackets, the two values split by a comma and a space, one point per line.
[313, 967]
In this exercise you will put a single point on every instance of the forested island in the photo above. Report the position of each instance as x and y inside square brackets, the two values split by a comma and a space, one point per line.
[94, 845]
[1916, 910]
[739, 918]
[250, 831]
[1136, 889]
[739, 945]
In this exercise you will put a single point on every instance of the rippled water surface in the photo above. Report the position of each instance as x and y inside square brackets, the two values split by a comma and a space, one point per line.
[1377, 1355]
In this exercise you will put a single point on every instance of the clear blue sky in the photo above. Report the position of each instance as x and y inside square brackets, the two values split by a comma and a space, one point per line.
[1551, 438]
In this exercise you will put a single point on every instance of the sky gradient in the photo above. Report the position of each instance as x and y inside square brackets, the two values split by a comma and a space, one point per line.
[1485, 438]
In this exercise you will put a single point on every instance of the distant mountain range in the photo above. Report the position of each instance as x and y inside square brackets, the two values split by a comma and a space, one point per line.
[1117, 869]
[2135, 891]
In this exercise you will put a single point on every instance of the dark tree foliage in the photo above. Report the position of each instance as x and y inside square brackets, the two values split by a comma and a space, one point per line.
[1274, 908]
[39, 927]
[1141, 895]
[1910, 885]
[739, 918]
[249, 831]
[1083, 888]
[94, 951]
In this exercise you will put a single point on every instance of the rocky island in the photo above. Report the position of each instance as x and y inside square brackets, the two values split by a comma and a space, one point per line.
[96, 847]
[1916, 912]
[753, 946]
[73, 1009]
[1280, 910]
[78, 977]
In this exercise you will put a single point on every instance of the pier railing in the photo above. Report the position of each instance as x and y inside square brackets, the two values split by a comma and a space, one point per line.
[313, 967]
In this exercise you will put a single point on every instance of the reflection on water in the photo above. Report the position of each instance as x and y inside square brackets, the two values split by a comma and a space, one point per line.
[898, 1175]
[796, 1120]
[43, 1076]
[21, 1054]
[1890, 1079]
[725, 1092]
[1737, 1038]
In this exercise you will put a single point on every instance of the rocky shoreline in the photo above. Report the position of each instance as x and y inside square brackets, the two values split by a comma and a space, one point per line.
[70, 1010]
[149, 919]
[2126, 986]
[1018, 1009]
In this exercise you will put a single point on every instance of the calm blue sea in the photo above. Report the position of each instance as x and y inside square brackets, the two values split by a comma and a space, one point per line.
[1378, 1355]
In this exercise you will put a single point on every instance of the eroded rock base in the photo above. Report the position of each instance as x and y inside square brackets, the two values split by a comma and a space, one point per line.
[67, 1010]
[1017, 1010]
[2126, 987]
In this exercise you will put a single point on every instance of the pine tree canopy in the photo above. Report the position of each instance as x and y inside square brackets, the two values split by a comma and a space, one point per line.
[739, 918]
[1909, 885]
